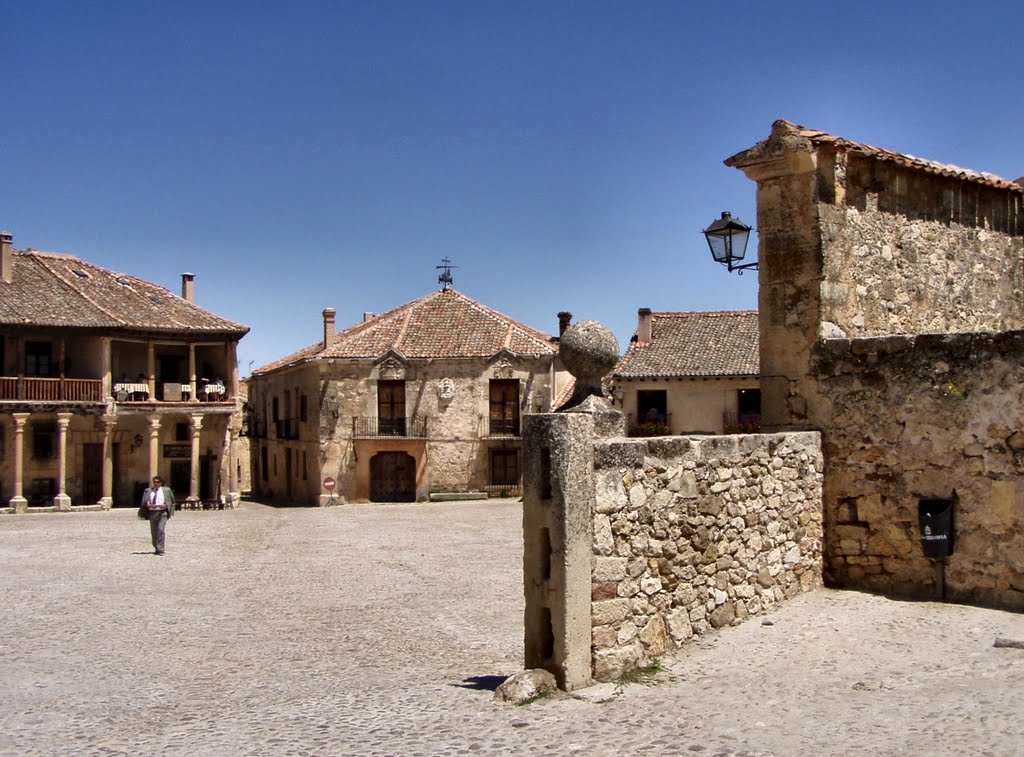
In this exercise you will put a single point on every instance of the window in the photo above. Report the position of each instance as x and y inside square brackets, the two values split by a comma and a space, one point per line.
[264, 468]
[302, 408]
[391, 407]
[504, 407]
[651, 406]
[43, 440]
[748, 405]
[276, 413]
[181, 433]
[38, 359]
[303, 462]
[504, 467]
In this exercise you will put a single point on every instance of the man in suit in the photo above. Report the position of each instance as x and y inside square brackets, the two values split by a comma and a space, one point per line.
[159, 500]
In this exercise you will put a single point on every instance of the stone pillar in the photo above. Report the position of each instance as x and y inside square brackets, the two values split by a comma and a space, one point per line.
[62, 500]
[558, 494]
[193, 484]
[230, 436]
[231, 356]
[785, 167]
[151, 369]
[108, 377]
[18, 501]
[192, 371]
[109, 424]
[154, 447]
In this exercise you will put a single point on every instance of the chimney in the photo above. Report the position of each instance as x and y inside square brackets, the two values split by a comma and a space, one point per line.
[188, 287]
[328, 327]
[6, 257]
[367, 316]
[564, 319]
[644, 326]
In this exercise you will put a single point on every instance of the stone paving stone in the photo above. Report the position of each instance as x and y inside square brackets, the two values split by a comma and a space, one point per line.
[383, 630]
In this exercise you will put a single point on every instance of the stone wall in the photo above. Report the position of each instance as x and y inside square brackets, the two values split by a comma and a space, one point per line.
[867, 244]
[634, 546]
[926, 417]
[696, 533]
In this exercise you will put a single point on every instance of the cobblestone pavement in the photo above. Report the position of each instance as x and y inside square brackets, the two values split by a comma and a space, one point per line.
[381, 630]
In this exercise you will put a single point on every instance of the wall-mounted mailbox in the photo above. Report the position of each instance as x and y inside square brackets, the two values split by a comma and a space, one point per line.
[936, 519]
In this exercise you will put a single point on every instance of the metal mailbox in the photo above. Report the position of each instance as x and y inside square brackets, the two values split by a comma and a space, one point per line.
[936, 520]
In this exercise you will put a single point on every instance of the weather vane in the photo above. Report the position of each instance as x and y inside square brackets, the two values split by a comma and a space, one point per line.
[445, 279]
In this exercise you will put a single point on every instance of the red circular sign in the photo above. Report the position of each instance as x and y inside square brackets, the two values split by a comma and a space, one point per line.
[329, 484]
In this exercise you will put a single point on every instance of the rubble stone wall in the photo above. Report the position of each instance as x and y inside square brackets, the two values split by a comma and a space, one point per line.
[925, 417]
[695, 533]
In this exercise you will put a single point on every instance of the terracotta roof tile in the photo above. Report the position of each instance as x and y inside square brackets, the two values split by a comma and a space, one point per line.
[443, 324]
[706, 344]
[55, 290]
[880, 153]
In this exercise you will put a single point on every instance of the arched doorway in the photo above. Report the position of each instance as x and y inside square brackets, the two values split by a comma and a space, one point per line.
[392, 477]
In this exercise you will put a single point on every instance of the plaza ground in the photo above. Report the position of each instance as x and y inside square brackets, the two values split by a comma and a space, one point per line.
[383, 629]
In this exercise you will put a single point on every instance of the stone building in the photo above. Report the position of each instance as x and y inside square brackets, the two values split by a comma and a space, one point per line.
[424, 398]
[107, 380]
[892, 308]
[689, 373]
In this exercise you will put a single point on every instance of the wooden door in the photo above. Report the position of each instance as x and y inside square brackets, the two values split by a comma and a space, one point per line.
[92, 473]
[393, 477]
[504, 403]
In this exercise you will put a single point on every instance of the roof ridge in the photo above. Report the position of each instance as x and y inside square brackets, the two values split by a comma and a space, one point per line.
[902, 158]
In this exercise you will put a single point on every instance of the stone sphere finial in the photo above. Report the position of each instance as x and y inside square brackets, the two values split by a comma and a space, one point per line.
[589, 350]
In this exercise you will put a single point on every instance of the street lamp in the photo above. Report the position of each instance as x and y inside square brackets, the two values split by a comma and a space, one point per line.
[727, 237]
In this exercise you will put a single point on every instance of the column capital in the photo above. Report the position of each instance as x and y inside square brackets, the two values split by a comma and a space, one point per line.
[108, 420]
[63, 419]
[20, 419]
[197, 422]
[154, 422]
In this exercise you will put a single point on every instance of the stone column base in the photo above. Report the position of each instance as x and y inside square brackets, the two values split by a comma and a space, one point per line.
[106, 502]
[330, 500]
[20, 504]
[62, 502]
[232, 500]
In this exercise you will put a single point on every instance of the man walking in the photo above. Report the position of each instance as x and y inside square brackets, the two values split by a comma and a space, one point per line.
[159, 501]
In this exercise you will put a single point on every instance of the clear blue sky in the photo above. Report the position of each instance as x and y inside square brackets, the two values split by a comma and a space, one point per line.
[565, 155]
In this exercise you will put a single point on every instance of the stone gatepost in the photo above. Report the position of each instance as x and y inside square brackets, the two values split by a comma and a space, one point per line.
[558, 510]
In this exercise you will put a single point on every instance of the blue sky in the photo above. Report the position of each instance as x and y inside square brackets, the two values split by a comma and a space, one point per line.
[564, 155]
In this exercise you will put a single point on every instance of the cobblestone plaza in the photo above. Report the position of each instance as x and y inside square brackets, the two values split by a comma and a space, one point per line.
[382, 630]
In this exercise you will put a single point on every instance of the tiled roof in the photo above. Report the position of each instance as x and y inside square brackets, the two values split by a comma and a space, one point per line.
[880, 153]
[55, 290]
[443, 324]
[706, 344]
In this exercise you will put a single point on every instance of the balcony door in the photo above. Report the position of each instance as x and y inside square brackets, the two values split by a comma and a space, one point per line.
[391, 408]
[504, 412]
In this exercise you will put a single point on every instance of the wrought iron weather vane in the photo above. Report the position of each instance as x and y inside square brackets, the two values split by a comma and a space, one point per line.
[445, 279]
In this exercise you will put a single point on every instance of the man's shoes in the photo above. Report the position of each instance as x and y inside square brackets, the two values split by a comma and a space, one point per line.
[159, 553]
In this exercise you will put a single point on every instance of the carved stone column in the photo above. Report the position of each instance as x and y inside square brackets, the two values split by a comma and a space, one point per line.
[18, 501]
[230, 436]
[154, 446]
[193, 484]
[62, 500]
[109, 424]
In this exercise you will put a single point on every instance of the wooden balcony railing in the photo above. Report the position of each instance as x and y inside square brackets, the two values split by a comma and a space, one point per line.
[50, 389]
[364, 427]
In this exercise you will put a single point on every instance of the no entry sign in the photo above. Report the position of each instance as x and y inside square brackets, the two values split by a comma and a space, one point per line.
[330, 483]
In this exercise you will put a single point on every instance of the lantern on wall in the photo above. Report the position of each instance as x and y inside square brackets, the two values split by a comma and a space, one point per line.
[727, 237]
